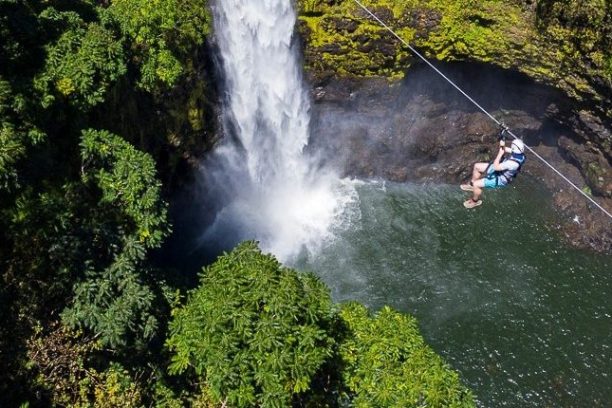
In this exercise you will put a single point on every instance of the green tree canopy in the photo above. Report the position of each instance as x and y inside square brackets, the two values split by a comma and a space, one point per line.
[128, 181]
[117, 302]
[255, 331]
[60, 357]
[163, 33]
[82, 64]
[12, 146]
[80, 211]
[388, 364]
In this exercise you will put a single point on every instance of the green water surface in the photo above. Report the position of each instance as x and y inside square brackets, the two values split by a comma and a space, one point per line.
[524, 318]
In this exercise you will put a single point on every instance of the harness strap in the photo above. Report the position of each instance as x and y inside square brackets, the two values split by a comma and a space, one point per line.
[502, 173]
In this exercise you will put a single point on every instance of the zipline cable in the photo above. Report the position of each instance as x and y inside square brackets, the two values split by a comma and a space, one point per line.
[493, 118]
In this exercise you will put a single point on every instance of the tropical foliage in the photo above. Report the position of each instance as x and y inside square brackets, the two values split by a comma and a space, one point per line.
[82, 208]
[82, 64]
[162, 34]
[117, 301]
[255, 331]
[388, 364]
[95, 99]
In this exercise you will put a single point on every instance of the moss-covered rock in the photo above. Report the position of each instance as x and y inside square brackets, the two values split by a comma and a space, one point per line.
[343, 41]
[550, 43]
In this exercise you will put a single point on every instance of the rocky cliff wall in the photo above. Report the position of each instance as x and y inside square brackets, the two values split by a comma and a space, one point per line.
[340, 40]
[534, 78]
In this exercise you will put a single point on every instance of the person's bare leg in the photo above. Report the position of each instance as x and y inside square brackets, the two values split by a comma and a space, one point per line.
[478, 187]
[479, 170]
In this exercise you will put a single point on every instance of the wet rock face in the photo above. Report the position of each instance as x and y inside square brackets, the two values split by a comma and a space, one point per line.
[422, 130]
[566, 46]
[592, 164]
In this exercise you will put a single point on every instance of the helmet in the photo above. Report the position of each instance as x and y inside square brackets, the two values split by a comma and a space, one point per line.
[518, 147]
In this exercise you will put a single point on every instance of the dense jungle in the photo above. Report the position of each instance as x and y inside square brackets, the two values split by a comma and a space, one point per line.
[109, 107]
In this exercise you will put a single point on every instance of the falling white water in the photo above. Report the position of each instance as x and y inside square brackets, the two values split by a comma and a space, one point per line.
[277, 194]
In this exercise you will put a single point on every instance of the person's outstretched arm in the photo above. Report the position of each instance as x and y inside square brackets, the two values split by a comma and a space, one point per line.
[496, 163]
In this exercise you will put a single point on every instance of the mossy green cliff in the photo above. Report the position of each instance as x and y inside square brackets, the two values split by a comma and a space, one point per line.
[561, 43]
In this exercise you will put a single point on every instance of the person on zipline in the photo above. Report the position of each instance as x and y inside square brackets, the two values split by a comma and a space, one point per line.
[497, 174]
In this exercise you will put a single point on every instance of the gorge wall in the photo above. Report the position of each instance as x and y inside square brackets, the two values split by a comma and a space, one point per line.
[381, 113]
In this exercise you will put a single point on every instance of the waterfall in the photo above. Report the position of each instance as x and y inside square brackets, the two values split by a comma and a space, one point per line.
[272, 191]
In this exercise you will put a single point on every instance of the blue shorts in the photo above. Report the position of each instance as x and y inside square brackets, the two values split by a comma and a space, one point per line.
[492, 180]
